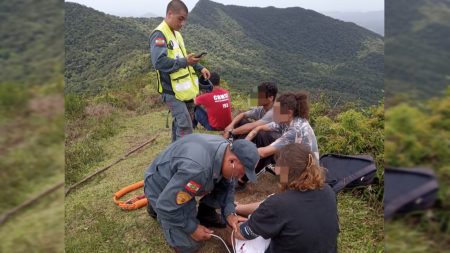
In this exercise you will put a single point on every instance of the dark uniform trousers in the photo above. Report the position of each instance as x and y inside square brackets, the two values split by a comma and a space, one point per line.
[179, 240]
[182, 115]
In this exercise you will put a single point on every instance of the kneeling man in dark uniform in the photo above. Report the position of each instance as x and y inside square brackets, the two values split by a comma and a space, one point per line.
[197, 165]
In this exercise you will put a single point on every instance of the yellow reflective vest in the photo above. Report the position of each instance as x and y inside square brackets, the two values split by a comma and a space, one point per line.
[184, 81]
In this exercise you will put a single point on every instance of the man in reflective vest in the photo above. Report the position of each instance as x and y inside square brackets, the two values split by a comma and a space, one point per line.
[177, 80]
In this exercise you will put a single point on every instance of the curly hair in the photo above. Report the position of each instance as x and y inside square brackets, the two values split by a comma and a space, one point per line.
[297, 102]
[304, 171]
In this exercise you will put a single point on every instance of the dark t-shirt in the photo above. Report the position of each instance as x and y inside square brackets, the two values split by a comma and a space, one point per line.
[298, 221]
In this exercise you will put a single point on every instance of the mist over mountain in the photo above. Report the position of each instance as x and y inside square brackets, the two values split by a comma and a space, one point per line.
[418, 48]
[297, 48]
[372, 20]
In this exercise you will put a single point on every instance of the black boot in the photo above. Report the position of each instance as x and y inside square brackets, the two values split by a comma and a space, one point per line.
[208, 217]
[151, 212]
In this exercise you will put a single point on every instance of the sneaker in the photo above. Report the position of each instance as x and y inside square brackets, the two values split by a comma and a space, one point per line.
[208, 217]
[270, 168]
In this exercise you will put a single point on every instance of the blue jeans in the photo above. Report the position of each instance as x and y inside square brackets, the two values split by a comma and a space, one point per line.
[201, 116]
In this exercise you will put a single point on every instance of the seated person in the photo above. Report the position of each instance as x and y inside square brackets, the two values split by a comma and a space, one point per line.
[215, 114]
[303, 217]
[291, 113]
[262, 114]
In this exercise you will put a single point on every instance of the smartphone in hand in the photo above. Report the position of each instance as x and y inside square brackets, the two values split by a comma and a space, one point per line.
[200, 55]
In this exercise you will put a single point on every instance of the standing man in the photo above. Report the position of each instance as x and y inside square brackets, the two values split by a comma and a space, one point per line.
[175, 69]
[197, 165]
[213, 109]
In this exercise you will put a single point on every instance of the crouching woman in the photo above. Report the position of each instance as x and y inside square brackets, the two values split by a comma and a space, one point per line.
[303, 216]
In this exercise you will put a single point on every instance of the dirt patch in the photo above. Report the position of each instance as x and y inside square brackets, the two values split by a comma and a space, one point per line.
[47, 106]
[102, 110]
[266, 184]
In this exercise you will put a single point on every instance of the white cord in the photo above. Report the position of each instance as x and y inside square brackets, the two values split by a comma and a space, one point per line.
[232, 241]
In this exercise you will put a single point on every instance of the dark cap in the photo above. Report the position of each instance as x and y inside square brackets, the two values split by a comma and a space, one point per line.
[247, 153]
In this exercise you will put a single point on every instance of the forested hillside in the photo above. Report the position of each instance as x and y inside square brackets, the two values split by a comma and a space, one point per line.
[31, 46]
[418, 46]
[297, 48]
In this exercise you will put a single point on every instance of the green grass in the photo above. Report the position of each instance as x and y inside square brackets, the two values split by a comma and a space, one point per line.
[39, 228]
[361, 225]
[32, 161]
[403, 237]
[95, 224]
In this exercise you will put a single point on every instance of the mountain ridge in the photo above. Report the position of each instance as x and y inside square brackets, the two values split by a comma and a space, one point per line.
[343, 60]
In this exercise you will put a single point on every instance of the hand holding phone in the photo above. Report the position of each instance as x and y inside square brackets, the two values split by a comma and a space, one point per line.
[201, 55]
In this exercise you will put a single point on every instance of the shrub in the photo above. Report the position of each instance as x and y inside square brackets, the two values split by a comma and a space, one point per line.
[13, 98]
[74, 106]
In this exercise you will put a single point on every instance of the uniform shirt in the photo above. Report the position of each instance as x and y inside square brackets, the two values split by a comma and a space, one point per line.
[218, 106]
[165, 64]
[258, 113]
[187, 168]
[309, 224]
[298, 131]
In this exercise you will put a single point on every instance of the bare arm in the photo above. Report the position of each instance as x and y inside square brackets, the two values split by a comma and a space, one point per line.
[247, 209]
[236, 119]
[255, 131]
[266, 151]
[248, 127]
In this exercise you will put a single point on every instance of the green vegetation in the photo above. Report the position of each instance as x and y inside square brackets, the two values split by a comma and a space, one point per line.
[94, 223]
[31, 46]
[31, 124]
[417, 52]
[341, 59]
[417, 134]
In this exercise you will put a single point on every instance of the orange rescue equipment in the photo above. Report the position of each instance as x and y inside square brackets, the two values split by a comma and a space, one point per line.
[133, 203]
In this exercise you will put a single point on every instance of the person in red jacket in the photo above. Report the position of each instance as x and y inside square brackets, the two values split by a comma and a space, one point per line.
[213, 109]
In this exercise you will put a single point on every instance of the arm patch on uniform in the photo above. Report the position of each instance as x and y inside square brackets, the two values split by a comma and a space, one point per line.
[183, 197]
[247, 232]
[160, 42]
[192, 187]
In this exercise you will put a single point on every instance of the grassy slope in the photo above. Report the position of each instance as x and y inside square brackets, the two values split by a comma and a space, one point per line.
[94, 223]
[33, 162]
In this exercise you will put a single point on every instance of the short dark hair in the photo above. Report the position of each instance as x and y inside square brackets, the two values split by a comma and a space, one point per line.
[297, 102]
[176, 6]
[215, 79]
[269, 89]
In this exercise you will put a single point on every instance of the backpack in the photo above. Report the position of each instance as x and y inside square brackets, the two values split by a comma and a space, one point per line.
[348, 171]
[407, 190]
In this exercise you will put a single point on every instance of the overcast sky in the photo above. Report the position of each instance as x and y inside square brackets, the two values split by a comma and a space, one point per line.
[158, 7]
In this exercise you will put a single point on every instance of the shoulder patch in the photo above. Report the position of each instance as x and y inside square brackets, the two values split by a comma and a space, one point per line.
[192, 187]
[160, 42]
[183, 197]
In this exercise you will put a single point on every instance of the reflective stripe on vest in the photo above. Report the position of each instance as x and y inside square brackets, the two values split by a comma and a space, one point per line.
[184, 81]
